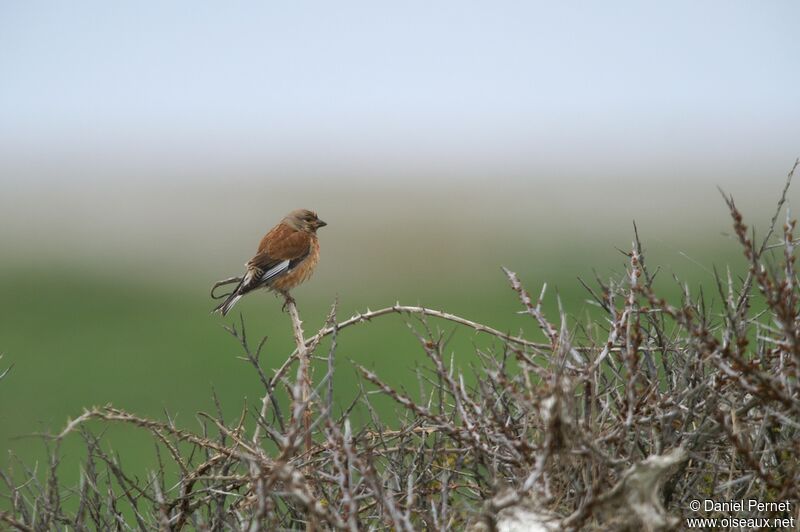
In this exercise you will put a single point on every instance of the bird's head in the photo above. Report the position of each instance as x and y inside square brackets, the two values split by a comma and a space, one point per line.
[304, 220]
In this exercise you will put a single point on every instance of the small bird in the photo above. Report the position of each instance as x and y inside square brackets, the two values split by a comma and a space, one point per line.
[286, 256]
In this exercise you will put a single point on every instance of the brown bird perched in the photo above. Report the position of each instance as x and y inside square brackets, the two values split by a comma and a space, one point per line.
[286, 256]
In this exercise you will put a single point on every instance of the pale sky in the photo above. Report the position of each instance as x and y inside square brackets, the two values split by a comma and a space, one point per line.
[453, 86]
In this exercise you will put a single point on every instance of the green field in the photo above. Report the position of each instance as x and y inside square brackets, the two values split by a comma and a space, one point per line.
[89, 319]
[150, 346]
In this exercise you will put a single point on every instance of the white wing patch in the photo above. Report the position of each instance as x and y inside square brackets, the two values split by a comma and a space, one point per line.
[275, 271]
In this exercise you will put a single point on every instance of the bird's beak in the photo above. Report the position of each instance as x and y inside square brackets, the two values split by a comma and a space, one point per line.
[320, 223]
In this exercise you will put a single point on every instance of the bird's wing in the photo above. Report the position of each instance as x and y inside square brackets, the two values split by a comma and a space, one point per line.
[275, 271]
[280, 251]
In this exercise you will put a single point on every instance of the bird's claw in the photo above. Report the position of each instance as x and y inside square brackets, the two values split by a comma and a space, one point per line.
[287, 300]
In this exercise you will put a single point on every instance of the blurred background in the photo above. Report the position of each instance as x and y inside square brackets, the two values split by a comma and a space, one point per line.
[146, 147]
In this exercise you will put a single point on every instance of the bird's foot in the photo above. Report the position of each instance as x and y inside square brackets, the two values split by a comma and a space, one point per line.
[287, 300]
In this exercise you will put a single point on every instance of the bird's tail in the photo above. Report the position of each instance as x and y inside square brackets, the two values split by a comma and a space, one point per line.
[225, 307]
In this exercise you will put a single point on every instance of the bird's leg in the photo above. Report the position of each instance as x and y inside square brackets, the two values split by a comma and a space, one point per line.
[288, 299]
